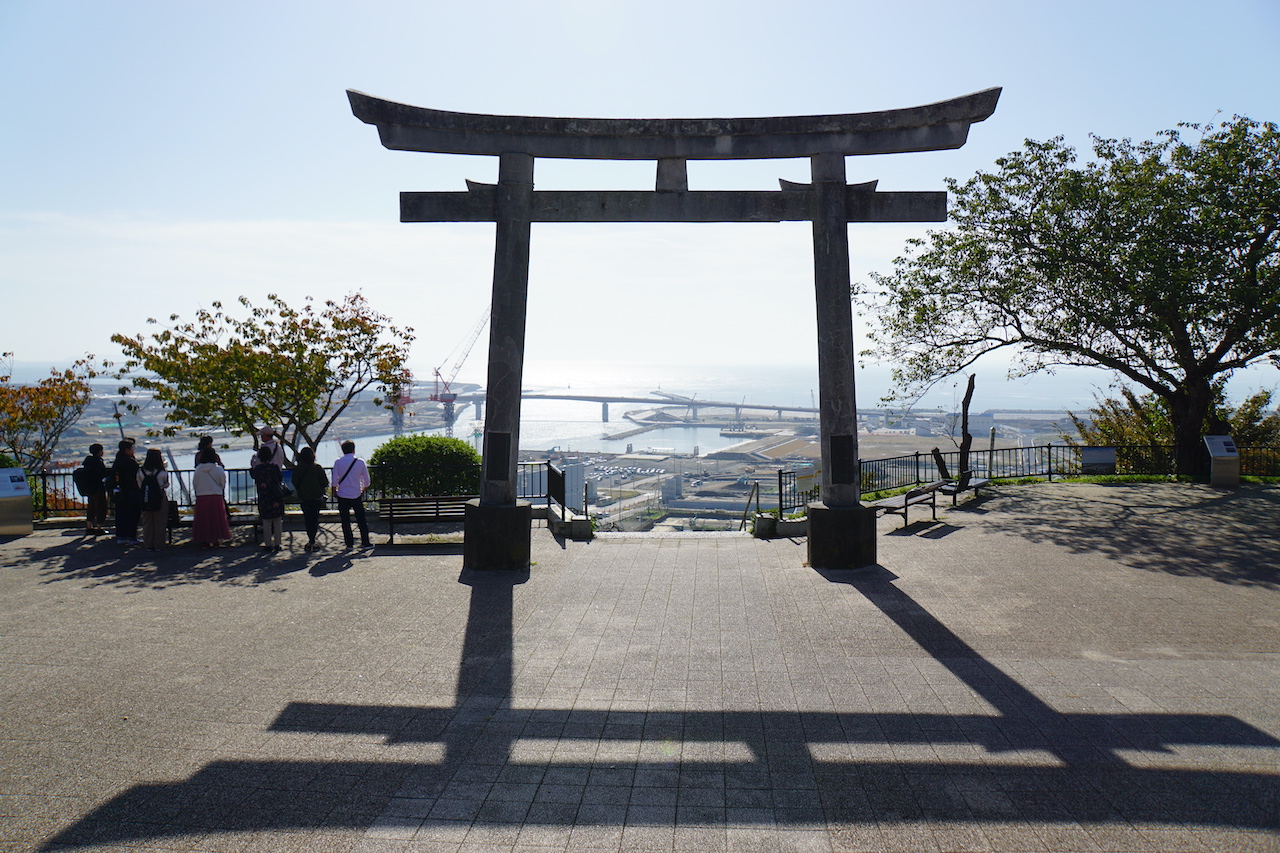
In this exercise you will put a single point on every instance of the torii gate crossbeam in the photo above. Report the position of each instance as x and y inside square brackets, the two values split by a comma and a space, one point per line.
[841, 530]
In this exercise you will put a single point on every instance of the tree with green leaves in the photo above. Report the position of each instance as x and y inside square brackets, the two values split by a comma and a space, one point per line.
[34, 417]
[426, 465]
[296, 369]
[1158, 261]
[1145, 420]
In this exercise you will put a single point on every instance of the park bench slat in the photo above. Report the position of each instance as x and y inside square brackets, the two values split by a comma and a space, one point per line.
[422, 510]
[952, 487]
[899, 504]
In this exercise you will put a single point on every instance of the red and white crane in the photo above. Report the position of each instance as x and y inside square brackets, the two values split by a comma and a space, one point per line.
[444, 394]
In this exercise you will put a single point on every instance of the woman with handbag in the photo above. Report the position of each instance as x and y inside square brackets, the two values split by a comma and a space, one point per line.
[310, 481]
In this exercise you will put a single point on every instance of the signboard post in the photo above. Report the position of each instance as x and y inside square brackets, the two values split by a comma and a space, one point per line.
[1224, 461]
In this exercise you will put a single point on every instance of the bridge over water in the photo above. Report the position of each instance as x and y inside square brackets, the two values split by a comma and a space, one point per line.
[659, 398]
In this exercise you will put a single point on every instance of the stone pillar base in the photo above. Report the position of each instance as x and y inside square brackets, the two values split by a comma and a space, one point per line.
[497, 536]
[841, 537]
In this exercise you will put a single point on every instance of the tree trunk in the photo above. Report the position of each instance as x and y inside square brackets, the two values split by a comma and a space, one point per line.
[943, 473]
[1188, 409]
[966, 440]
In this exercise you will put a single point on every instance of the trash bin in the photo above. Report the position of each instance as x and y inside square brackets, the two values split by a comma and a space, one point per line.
[1224, 461]
[15, 503]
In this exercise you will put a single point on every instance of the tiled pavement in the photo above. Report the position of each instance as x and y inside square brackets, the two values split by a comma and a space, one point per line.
[1049, 668]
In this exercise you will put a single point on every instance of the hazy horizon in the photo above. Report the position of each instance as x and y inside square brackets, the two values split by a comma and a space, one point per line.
[796, 384]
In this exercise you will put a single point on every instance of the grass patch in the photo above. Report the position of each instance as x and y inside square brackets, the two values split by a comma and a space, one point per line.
[1103, 479]
[608, 497]
[887, 493]
[1090, 479]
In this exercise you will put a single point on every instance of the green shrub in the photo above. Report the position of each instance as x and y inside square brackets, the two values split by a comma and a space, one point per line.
[421, 465]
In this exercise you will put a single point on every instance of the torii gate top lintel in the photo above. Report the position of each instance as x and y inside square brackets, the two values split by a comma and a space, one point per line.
[929, 127]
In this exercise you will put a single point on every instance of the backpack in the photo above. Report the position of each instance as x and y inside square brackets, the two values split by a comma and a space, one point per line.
[152, 494]
[270, 490]
[83, 479]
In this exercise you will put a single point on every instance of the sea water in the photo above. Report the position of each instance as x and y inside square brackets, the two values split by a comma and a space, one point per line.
[577, 426]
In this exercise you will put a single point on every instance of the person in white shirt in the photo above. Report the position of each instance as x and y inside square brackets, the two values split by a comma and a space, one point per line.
[270, 438]
[210, 527]
[350, 478]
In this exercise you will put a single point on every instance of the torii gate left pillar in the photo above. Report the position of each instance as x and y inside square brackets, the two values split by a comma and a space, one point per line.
[498, 524]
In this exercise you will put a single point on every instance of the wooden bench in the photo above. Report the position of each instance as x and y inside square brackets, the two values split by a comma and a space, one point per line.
[966, 483]
[430, 510]
[900, 504]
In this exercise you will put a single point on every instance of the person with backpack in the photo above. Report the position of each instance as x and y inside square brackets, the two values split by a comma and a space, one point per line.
[126, 492]
[90, 480]
[153, 500]
[270, 498]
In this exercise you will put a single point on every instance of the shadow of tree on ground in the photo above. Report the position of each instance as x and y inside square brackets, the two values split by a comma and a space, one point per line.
[1181, 529]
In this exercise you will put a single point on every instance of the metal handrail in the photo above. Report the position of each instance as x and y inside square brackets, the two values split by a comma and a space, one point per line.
[53, 492]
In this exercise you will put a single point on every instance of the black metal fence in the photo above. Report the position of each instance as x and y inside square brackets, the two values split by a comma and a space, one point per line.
[54, 494]
[556, 488]
[796, 490]
[1260, 461]
[1049, 461]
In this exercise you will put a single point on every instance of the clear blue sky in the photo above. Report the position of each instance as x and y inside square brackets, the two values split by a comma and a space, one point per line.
[157, 156]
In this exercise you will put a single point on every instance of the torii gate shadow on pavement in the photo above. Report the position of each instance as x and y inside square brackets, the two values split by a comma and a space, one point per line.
[482, 738]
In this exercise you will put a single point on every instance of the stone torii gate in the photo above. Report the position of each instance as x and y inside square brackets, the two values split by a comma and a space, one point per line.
[841, 530]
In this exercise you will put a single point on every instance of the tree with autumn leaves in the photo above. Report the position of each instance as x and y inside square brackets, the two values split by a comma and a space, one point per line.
[33, 417]
[296, 369]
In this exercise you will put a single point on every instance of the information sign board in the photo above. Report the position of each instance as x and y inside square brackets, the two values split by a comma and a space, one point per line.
[15, 502]
[1097, 460]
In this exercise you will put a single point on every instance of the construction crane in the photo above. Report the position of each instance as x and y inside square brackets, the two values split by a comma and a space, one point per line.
[401, 390]
[444, 394]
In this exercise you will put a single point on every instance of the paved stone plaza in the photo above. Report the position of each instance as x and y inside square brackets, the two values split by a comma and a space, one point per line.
[1051, 667]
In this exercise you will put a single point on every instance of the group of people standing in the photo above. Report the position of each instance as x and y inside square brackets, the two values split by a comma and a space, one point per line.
[139, 491]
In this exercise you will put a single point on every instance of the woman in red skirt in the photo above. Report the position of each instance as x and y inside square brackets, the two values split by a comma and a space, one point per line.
[209, 482]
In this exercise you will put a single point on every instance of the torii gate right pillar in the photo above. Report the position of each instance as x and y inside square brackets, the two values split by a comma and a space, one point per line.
[842, 532]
